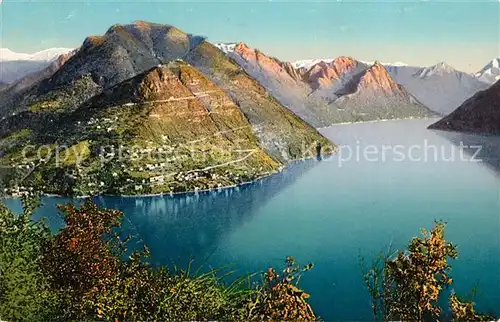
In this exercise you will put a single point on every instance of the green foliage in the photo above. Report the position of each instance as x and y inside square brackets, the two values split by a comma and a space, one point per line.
[78, 261]
[280, 298]
[144, 293]
[24, 292]
[44, 106]
[64, 98]
[92, 282]
[75, 153]
[20, 134]
[408, 286]
[82, 274]
[465, 311]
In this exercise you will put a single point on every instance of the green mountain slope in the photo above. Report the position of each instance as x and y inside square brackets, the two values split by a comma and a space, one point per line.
[125, 114]
[280, 132]
[169, 129]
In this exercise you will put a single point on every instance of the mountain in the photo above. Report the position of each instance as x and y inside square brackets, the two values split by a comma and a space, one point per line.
[18, 92]
[282, 133]
[478, 114]
[361, 92]
[374, 91]
[104, 61]
[124, 51]
[324, 74]
[44, 55]
[190, 125]
[490, 73]
[440, 87]
[401, 74]
[14, 66]
[226, 47]
[284, 82]
[198, 120]
[308, 63]
[315, 93]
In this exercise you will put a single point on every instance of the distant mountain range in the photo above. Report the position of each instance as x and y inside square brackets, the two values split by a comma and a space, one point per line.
[440, 87]
[302, 86]
[44, 55]
[340, 90]
[308, 63]
[373, 90]
[14, 96]
[154, 88]
[284, 83]
[14, 66]
[147, 88]
[478, 114]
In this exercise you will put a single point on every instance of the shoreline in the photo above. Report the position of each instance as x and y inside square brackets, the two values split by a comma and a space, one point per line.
[177, 194]
[257, 179]
[380, 121]
[465, 132]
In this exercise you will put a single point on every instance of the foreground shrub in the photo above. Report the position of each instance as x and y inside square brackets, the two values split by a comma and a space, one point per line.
[82, 274]
[142, 293]
[407, 287]
[24, 292]
[85, 269]
[280, 298]
[81, 260]
[465, 311]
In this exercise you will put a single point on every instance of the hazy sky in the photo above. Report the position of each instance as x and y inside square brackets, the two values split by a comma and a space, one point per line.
[464, 34]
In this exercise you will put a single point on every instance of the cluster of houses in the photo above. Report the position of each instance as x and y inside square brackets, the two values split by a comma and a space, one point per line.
[153, 167]
[27, 166]
[24, 165]
[188, 177]
[18, 191]
[100, 124]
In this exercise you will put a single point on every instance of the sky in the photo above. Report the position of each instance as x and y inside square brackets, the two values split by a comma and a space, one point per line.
[465, 35]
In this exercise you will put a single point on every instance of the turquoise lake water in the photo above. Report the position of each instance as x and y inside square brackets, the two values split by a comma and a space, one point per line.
[330, 212]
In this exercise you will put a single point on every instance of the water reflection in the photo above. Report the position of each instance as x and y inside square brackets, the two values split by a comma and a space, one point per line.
[490, 147]
[178, 228]
[182, 227]
[329, 212]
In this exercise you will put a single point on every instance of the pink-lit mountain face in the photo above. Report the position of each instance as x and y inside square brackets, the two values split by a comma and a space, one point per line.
[340, 90]
[323, 74]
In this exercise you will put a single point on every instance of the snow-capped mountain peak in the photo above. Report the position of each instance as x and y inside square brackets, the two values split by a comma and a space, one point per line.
[308, 63]
[490, 73]
[396, 64]
[495, 63]
[226, 47]
[44, 55]
[14, 66]
[444, 67]
[7, 54]
[438, 69]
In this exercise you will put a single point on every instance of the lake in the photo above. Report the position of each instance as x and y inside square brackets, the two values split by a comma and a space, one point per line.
[389, 180]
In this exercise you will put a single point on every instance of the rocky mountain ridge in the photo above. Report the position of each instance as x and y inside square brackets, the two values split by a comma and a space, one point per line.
[318, 94]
